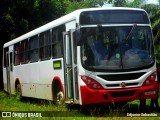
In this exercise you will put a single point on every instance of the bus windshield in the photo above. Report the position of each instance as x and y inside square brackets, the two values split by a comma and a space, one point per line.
[113, 17]
[123, 47]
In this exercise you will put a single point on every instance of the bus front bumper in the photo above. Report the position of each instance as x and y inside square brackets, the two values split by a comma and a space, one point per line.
[92, 96]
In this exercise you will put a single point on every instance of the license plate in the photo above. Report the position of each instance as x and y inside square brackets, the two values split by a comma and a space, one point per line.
[150, 92]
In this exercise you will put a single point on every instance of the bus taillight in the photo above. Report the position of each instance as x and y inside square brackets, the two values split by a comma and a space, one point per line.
[91, 83]
[150, 79]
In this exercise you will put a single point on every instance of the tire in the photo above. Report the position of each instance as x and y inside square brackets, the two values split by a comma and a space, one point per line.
[59, 96]
[18, 92]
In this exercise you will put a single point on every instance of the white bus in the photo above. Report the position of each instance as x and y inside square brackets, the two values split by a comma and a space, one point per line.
[96, 55]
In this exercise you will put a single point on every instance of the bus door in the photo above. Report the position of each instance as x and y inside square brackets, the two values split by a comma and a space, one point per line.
[70, 65]
[9, 70]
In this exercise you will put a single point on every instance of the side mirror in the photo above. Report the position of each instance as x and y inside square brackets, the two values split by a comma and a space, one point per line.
[78, 38]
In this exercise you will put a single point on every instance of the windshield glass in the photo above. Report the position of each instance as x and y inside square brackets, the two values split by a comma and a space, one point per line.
[124, 47]
[118, 16]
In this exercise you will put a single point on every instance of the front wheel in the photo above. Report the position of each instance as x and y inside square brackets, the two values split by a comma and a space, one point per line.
[59, 97]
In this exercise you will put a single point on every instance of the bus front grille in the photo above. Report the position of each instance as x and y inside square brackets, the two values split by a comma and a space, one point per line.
[120, 77]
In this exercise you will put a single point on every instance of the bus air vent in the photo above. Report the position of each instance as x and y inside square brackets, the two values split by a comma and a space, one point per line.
[120, 77]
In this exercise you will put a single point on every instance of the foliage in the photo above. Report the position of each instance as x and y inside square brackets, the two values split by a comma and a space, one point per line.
[151, 9]
[119, 3]
[134, 3]
[86, 4]
[21, 16]
[93, 3]
[156, 33]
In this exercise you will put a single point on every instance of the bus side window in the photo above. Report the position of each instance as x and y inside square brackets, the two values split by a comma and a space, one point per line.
[34, 46]
[54, 42]
[41, 45]
[4, 58]
[17, 54]
[24, 51]
[45, 45]
[26, 57]
[57, 38]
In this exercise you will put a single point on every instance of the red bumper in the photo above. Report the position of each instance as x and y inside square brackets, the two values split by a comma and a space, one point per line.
[91, 96]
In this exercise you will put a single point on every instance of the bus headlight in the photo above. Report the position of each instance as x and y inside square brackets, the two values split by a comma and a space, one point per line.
[150, 79]
[91, 83]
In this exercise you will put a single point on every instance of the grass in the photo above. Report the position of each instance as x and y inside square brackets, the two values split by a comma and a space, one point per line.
[71, 112]
[11, 103]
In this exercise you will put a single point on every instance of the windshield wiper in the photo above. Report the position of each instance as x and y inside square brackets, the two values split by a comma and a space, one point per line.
[130, 33]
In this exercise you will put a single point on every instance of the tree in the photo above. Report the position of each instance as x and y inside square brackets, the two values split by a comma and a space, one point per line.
[151, 9]
[15, 19]
[94, 3]
[135, 3]
[156, 33]
[119, 3]
[21, 16]
[86, 4]
[51, 9]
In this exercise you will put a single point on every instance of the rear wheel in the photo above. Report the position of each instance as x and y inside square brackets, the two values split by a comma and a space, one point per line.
[18, 92]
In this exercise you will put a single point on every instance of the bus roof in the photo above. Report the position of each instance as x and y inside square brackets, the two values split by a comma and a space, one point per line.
[62, 20]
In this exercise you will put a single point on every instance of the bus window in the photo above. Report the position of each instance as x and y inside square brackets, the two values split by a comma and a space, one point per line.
[24, 51]
[54, 40]
[11, 61]
[34, 45]
[41, 45]
[45, 45]
[113, 17]
[26, 57]
[17, 54]
[57, 38]
[4, 57]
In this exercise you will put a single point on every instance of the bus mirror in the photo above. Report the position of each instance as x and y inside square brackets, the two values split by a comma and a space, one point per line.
[79, 43]
[78, 38]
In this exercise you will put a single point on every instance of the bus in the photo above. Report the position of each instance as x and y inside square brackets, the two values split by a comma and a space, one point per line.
[89, 56]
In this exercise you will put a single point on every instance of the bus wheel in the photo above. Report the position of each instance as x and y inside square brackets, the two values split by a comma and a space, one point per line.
[59, 97]
[18, 92]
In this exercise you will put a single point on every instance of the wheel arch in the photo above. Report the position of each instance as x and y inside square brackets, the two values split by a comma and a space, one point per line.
[55, 82]
[17, 82]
